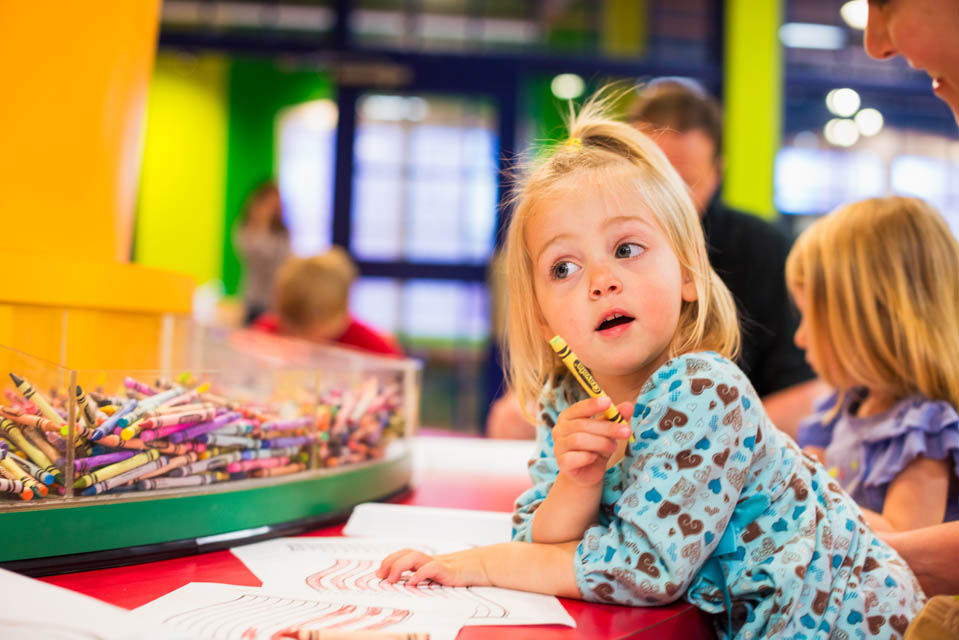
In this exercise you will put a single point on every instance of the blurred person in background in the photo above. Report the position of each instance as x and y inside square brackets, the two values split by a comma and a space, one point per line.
[262, 241]
[748, 253]
[312, 302]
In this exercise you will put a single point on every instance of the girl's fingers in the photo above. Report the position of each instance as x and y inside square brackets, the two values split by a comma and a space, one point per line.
[432, 570]
[396, 563]
[586, 408]
[575, 459]
[384, 568]
[582, 441]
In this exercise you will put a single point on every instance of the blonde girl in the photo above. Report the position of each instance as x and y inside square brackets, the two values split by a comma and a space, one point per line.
[877, 283]
[709, 502]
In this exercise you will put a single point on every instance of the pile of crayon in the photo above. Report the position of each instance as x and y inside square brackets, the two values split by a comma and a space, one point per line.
[181, 434]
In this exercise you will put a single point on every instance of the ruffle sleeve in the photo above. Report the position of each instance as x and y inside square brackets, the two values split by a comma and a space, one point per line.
[816, 429]
[921, 427]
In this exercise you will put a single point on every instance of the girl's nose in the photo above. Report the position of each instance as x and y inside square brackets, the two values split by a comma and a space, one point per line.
[876, 38]
[603, 283]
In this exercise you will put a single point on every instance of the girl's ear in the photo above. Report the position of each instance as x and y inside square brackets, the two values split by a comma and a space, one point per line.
[689, 291]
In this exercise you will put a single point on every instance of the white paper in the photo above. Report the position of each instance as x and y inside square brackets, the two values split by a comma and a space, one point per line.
[33, 609]
[228, 612]
[472, 528]
[344, 568]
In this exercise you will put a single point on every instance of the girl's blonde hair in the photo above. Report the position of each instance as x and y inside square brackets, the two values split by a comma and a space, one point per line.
[879, 281]
[603, 151]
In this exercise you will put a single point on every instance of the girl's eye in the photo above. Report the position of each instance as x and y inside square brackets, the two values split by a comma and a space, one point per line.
[629, 250]
[563, 270]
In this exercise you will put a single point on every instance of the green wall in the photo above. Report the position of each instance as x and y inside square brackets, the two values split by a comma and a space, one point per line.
[179, 224]
[258, 90]
[209, 142]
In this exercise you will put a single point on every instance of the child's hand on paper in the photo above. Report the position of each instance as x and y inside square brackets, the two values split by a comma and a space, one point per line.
[583, 439]
[460, 569]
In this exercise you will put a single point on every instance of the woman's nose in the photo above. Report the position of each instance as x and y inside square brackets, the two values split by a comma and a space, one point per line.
[876, 37]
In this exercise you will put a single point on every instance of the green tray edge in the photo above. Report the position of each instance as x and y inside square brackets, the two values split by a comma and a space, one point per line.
[95, 526]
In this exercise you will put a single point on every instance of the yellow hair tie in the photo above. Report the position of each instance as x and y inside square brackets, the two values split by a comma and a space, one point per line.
[574, 143]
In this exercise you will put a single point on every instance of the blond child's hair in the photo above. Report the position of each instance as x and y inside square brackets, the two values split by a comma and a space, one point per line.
[314, 290]
[879, 281]
[603, 151]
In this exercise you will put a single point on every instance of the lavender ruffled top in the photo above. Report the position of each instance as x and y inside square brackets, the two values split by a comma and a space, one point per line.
[865, 454]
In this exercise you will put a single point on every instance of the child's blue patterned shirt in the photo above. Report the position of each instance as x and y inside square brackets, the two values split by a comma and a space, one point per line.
[711, 492]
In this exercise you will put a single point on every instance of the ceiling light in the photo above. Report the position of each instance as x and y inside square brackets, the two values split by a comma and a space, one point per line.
[843, 102]
[841, 132]
[806, 35]
[855, 13]
[567, 86]
[869, 122]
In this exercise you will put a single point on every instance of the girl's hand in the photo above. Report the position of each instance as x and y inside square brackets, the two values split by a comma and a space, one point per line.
[460, 569]
[583, 443]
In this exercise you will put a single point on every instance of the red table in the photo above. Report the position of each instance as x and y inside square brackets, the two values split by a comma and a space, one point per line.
[136, 585]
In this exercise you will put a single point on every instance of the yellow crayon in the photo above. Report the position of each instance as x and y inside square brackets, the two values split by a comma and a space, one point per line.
[31, 394]
[111, 470]
[21, 474]
[29, 448]
[585, 379]
[35, 436]
[88, 408]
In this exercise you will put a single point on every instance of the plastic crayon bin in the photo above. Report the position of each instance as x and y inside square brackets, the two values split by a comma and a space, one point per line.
[239, 437]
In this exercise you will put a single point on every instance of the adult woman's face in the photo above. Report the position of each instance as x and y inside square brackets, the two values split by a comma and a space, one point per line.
[926, 34]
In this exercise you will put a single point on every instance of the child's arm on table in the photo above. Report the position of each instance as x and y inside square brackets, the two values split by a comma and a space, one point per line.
[539, 568]
[582, 445]
[916, 497]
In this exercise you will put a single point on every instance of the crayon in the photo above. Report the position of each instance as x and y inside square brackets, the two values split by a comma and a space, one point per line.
[250, 465]
[171, 419]
[34, 470]
[279, 471]
[215, 462]
[585, 378]
[294, 423]
[287, 442]
[229, 441]
[15, 414]
[189, 396]
[87, 409]
[173, 463]
[148, 404]
[117, 468]
[205, 427]
[31, 450]
[139, 387]
[33, 396]
[196, 480]
[83, 465]
[107, 427]
[251, 454]
[15, 486]
[17, 472]
[125, 477]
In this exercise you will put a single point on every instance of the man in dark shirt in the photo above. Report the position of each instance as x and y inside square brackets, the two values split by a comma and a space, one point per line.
[748, 253]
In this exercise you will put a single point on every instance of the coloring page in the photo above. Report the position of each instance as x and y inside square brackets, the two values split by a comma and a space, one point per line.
[344, 569]
[227, 612]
